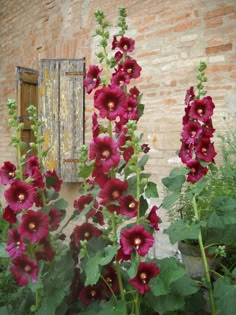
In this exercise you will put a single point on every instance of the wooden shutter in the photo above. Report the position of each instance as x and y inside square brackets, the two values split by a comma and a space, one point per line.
[27, 94]
[62, 109]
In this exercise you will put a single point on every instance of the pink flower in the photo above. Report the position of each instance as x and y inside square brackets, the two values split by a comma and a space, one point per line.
[196, 171]
[205, 150]
[53, 180]
[202, 109]
[190, 95]
[146, 271]
[112, 190]
[104, 151]
[92, 79]
[134, 92]
[120, 78]
[31, 164]
[20, 195]
[110, 101]
[7, 173]
[85, 231]
[132, 69]
[153, 218]
[137, 238]
[186, 152]
[126, 44]
[34, 225]
[15, 245]
[24, 268]
[128, 206]
[191, 132]
[9, 215]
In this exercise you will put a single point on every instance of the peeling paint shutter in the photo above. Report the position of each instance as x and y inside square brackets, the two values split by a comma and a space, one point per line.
[61, 96]
[27, 94]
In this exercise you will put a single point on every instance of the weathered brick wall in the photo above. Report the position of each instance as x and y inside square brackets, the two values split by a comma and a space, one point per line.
[172, 37]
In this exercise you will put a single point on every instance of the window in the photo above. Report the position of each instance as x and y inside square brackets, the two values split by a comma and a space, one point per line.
[57, 90]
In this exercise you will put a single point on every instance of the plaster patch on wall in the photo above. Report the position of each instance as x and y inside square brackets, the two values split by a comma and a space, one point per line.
[231, 102]
[84, 13]
[174, 160]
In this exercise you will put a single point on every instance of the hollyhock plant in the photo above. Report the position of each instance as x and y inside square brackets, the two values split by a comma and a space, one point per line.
[15, 245]
[7, 173]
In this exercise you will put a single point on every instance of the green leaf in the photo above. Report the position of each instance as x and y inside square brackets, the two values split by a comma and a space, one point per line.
[181, 230]
[143, 161]
[143, 205]
[174, 181]
[151, 190]
[170, 199]
[86, 170]
[225, 293]
[185, 286]
[132, 271]
[60, 204]
[3, 252]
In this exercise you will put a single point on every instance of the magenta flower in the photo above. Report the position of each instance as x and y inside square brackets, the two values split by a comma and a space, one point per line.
[153, 218]
[7, 173]
[126, 44]
[55, 217]
[137, 238]
[9, 215]
[85, 231]
[113, 190]
[118, 56]
[34, 225]
[110, 101]
[128, 206]
[145, 148]
[20, 195]
[191, 132]
[208, 129]
[134, 92]
[146, 271]
[202, 109]
[24, 269]
[83, 202]
[205, 150]
[44, 250]
[37, 178]
[90, 294]
[95, 125]
[104, 151]
[120, 78]
[196, 171]
[54, 180]
[31, 163]
[15, 245]
[92, 79]
[132, 69]
[190, 95]
[186, 152]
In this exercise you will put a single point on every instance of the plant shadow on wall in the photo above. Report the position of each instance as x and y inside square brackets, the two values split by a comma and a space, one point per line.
[201, 202]
[104, 267]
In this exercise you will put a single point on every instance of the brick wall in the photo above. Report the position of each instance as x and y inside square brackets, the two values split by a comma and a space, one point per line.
[172, 37]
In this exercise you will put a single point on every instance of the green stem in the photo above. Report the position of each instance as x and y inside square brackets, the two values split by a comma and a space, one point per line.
[136, 303]
[205, 262]
[138, 189]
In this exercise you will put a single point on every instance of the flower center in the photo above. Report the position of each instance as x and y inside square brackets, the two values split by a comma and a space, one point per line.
[111, 106]
[27, 268]
[32, 226]
[93, 293]
[204, 151]
[115, 194]
[87, 234]
[21, 197]
[193, 170]
[143, 277]
[129, 70]
[109, 280]
[137, 242]
[105, 154]
[11, 174]
[132, 205]
[193, 133]
[125, 47]
[200, 111]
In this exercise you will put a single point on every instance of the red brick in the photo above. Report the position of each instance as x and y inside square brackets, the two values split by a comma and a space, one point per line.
[214, 22]
[186, 26]
[219, 12]
[219, 48]
[216, 68]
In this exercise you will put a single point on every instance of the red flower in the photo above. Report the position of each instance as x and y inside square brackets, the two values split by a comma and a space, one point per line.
[20, 195]
[85, 231]
[9, 215]
[37, 178]
[120, 78]
[110, 281]
[196, 171]
[44, 250]
[113, 190]
[92, 79]
[95, 125]
[191, 132]
[134, 92]
[186, 152]
[128, 206]
[208, 129]
[205, 150]
[190, 95]
[15, 246]
[53, 180]
[110, 101]
[90, 294]
[31, 163]
[7, 173]
[104, 151]
[132, 69]
[202, 109]
[126, 44]
[154, 218]
[34, 225]
[145, 148]
[55, 217]
[23, 269]
[146, 271]
[136, 238]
